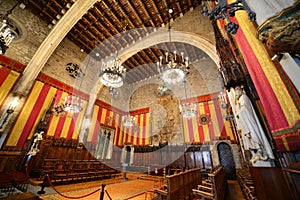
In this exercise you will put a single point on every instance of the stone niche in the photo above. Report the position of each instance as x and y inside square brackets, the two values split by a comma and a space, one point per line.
[165, 121]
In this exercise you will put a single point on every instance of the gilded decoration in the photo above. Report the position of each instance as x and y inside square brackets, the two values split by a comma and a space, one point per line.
[281, 33]
[165, 121]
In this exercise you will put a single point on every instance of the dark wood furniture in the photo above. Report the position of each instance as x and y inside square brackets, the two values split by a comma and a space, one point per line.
[246, 183]
[214, 187]
[179, 186]
[67, 171]
[270, 183]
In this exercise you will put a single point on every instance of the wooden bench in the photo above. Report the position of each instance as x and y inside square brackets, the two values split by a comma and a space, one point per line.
[213, 188]
[180, 186]
[66, 171]
[246, 183]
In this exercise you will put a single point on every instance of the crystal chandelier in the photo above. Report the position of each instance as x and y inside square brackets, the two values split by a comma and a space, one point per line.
[71, 104]
[172, 66]
[8, 31]
[188, 109]
[112, 73]
[128, 120]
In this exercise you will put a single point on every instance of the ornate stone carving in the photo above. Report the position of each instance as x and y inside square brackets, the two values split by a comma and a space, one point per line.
[230, 70]
[281, 33]
[165, 121]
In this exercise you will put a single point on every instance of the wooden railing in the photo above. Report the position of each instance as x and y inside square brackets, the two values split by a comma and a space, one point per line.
[214, 187]
[246, 183]
[180, 186]
[76, 170]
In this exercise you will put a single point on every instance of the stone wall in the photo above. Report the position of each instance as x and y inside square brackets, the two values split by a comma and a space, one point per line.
[235, 151]
[203, 79]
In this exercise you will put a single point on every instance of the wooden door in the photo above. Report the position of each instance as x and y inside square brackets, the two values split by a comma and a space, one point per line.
[227, 161]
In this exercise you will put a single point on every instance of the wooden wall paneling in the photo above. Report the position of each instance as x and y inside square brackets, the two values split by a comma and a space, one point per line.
[45, 152]
[155, 158]
[181, 161]
[79, 154]
[190, 159]
[8, 161]
[70, 153]
[270, 183]
[164, 156]
[198, 159]
[146, 158]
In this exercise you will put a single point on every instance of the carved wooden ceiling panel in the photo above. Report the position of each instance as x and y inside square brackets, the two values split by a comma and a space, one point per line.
[111, 25]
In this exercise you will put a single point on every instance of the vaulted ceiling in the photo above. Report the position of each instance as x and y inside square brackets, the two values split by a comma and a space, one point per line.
[111, 25]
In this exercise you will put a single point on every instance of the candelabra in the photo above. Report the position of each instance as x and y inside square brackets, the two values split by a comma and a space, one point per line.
[188, 109]
[173, 67]
[112, 73]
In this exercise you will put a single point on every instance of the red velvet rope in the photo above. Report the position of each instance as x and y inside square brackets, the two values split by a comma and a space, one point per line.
[68, 196]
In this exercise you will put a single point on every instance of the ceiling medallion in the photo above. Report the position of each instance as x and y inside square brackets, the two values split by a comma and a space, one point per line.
[204, 119]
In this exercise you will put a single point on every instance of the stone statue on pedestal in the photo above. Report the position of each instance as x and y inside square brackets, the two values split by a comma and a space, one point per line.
[253, 136]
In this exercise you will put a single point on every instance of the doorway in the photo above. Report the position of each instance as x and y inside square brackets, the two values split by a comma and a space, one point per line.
[227, 160]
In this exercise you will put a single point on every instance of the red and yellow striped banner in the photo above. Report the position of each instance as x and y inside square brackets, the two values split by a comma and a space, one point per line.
[36, 105]
[281, 112]
[197, 132]
[8, 78]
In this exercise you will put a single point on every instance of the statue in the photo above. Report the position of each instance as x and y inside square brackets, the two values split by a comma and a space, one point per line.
[37, 137]
[253, 136]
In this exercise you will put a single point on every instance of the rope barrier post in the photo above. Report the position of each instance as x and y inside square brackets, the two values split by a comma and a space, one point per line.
[44, 184]
[102, 192]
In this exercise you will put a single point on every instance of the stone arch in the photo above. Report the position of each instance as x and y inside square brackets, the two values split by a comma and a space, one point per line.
[235, 152]
[162, 35]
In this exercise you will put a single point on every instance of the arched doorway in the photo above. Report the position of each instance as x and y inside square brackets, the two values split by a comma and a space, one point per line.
[227, 160]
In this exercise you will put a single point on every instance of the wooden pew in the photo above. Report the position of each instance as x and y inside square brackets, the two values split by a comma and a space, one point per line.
[214, 187]
[180, 186]
[246, 183]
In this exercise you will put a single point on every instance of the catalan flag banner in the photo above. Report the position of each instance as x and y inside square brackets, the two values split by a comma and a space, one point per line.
[280, 107]
[8, 78]
[105, 115]
[66, 125]
[139, 133]
[208, 125]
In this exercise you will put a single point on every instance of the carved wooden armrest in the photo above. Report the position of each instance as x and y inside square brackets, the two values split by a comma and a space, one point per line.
[161, 192]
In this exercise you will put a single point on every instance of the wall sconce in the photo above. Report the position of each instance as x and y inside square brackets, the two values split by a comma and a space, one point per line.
[9, 111]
